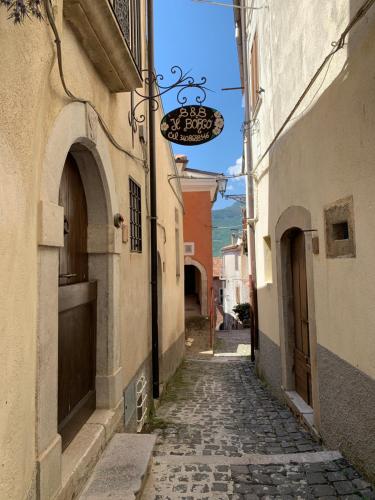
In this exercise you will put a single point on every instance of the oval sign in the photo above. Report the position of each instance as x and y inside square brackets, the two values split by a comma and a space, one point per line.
[192, 125]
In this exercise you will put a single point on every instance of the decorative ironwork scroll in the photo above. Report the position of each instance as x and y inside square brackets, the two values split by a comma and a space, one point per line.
[184, 83]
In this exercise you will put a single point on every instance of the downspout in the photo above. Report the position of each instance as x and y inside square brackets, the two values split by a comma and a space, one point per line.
[249, 186]
[153, 206]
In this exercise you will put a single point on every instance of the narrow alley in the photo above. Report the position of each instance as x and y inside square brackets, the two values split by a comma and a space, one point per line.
[222, 435]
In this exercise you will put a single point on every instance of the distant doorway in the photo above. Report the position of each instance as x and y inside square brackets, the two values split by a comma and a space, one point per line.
[193, 291]
[302, 362]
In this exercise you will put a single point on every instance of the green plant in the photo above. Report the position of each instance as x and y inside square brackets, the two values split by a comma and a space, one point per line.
[243, 312]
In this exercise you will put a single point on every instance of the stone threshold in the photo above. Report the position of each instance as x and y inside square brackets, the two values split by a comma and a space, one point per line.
[303, 412]
[80, 457]
[252, 459]
[123, 469]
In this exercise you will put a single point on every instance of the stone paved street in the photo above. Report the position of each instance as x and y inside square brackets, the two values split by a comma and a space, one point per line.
[221, 435]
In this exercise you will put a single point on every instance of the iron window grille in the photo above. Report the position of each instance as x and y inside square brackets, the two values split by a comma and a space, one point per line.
[135, 216]
[128, 14]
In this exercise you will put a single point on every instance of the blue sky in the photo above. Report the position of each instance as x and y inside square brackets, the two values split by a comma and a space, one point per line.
[200, 37]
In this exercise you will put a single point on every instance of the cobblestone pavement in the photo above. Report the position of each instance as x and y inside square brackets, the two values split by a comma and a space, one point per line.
[222, 436]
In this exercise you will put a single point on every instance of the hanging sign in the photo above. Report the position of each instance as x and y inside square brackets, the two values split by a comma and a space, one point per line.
[192, 125]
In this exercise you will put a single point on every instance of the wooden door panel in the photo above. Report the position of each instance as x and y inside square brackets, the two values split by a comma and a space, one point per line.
[302, 368]
[77, 311]
[77, 363]
[73, 256]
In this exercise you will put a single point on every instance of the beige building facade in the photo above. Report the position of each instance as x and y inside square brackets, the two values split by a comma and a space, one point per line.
[313, 177]
[56, 148]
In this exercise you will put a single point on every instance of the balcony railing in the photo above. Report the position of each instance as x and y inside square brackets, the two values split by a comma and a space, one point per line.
[128, 16]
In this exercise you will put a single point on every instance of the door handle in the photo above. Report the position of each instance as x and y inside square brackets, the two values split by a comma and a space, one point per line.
[67, 275]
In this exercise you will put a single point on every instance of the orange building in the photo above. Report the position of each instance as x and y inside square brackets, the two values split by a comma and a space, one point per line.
[199, 190]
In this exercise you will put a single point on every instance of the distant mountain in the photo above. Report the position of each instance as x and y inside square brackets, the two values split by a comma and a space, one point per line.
[229, 218]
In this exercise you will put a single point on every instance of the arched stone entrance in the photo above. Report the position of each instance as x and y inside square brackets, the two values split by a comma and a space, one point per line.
[76, 132]
[297, 326]
[196, 284]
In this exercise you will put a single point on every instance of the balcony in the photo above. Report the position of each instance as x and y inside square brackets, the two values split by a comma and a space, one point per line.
[110, 33]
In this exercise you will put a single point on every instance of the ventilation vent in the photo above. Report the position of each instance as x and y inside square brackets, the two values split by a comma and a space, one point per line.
[141, 402]
[189, 248]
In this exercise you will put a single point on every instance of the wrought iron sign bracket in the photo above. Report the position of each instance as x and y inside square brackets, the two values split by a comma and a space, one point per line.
[183, 83]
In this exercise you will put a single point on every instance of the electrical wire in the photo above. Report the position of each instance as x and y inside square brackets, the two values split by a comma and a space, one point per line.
[232, 6]
[338, 45]
[74, 98]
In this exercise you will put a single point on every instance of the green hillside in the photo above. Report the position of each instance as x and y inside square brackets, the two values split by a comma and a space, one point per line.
[229, 218]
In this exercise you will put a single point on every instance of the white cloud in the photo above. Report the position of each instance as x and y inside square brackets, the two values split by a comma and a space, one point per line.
[236, 169]
[230, 187]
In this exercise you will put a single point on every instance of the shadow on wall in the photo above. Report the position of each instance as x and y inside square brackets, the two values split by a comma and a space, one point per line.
[325, 155]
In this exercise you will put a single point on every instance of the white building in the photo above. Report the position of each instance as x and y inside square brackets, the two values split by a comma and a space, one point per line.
[308, 70]
[234, 279]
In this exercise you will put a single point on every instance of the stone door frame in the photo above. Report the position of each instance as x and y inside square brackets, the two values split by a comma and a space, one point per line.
[75, 130]
[295, 217]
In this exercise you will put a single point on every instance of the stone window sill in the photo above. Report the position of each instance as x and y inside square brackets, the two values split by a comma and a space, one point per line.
[96, 27]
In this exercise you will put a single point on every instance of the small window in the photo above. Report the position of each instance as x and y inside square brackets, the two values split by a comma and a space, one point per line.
[267, 259]
[339, 228]
[236, 262]
[221, 296]
[340, 231]
[255, 87]
[135, 216]
[189, 248]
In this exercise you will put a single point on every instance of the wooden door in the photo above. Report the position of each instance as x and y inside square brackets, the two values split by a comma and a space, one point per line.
[302, 366]
[77, 311]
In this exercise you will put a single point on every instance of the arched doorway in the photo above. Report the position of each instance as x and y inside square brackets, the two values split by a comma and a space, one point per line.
[72, 140]
[295, 285]
[193, 291]
[77, 311]
[196, 289]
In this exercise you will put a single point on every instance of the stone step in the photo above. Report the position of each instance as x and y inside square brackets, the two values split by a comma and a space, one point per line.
[122, 469]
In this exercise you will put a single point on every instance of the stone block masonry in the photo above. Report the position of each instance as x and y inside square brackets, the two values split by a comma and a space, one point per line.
[221, 435]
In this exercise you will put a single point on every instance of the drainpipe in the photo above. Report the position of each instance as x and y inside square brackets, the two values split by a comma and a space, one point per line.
[249, 185]
[153, 206]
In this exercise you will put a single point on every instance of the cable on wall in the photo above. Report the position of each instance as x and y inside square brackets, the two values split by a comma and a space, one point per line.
[338, 45]
[74, 98]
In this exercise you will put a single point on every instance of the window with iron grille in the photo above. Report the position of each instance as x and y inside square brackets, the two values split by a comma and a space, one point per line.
[128, 14]
[135, 216]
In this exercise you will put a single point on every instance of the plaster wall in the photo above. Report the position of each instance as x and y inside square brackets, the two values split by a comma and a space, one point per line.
[31, 103]
[197, 229]
[326, 153]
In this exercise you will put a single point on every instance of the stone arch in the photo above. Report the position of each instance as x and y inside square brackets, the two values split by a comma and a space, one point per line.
[295, 218]
[76, 130]
[204, 283]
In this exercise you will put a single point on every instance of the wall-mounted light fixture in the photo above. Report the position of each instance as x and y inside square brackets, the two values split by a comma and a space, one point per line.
[222, 185]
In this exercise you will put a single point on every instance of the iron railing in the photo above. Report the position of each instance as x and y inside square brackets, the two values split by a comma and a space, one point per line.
[128, 15]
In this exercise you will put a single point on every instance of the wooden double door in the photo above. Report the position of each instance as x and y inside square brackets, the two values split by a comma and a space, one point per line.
[77, 311]
[302, 364]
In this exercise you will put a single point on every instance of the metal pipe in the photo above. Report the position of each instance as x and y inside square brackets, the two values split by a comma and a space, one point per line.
[249, 187]
[153, 206]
